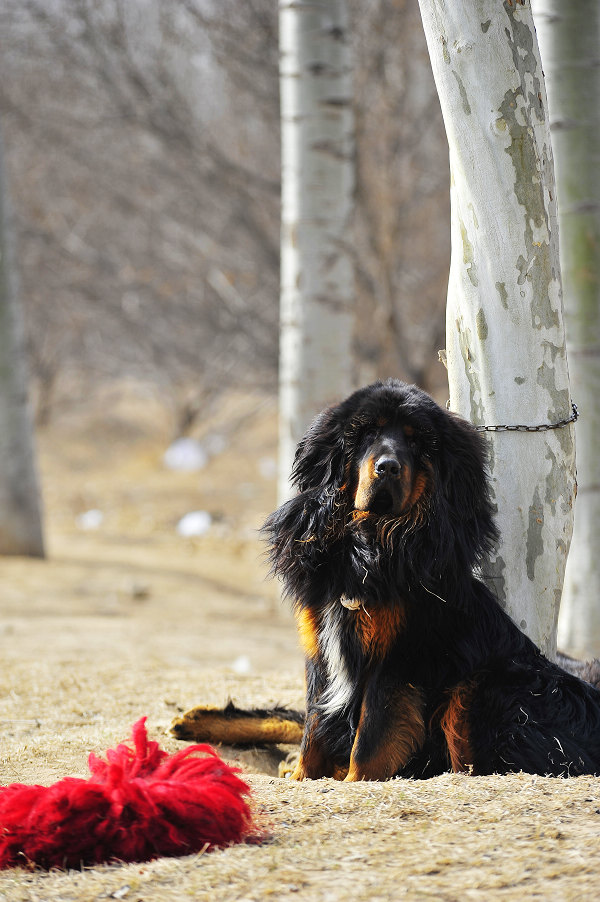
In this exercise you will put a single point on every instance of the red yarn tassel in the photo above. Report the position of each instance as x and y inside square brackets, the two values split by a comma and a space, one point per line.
[138, 804]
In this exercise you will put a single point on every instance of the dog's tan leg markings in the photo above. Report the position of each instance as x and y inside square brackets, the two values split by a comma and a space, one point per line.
[455, 725]
[391, 729]
[313, 762]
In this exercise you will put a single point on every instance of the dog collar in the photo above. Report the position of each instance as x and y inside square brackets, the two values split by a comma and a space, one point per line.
[353, 604]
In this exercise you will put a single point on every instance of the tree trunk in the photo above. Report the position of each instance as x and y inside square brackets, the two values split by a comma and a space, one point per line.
[20, 517]
[505, 336]
[317, 280]
[569, 36]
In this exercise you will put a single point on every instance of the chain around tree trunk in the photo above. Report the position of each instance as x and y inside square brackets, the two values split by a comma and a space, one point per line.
[542, 427]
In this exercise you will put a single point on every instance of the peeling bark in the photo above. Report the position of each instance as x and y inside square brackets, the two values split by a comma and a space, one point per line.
[317, 280]
[505, 337]
[569, 35]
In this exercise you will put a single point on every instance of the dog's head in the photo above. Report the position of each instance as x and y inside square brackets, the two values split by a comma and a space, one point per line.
[390, 457]
[387, 474]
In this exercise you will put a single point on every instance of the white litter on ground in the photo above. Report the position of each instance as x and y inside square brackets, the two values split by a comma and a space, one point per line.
[186, 455]
[194, 524]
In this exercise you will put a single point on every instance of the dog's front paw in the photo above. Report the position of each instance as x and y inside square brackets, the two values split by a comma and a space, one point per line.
[298, 773]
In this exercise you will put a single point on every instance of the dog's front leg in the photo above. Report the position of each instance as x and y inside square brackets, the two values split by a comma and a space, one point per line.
[390, 731]
[314, 762]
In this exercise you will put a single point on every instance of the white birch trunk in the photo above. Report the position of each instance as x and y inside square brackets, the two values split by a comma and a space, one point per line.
[569, 35]
[20, 516]
[506, 346]
[317, 279]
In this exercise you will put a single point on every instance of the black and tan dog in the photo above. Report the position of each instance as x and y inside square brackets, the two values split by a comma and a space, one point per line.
[412, 667]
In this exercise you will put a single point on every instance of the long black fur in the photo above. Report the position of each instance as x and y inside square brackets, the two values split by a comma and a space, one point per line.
[457, 649]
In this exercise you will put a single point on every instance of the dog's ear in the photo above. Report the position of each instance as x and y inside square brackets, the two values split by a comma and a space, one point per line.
[296, 530]
[319, 460]
[463, 481]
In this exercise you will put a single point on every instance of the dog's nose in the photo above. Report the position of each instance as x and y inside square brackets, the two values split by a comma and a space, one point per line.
[387, 465]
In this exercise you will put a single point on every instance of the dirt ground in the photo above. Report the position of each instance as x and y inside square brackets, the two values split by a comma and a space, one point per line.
[130, 619]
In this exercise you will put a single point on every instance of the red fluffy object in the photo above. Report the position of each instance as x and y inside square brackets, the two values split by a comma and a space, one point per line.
[140, 803]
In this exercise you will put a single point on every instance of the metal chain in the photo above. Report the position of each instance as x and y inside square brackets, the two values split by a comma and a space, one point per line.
[543, 427]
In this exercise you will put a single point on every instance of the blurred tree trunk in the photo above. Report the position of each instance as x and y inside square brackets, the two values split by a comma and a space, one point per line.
[20, 514]
[505, 337]
[317, 279]
[569, 35]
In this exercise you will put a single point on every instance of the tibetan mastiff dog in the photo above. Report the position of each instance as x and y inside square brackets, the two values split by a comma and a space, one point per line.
[412, 666]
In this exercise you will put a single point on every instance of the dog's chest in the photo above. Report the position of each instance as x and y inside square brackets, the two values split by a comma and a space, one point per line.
[350, 643]
[377, 629]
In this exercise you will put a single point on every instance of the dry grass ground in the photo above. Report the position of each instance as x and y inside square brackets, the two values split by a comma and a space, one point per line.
[130, 619]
